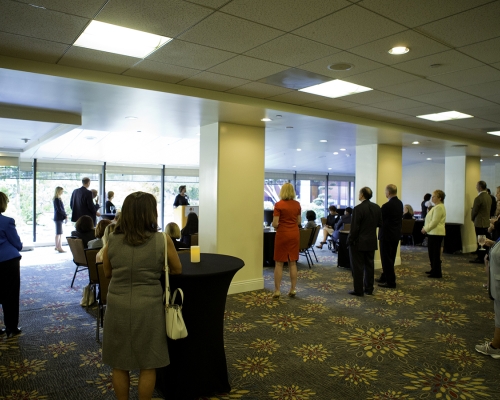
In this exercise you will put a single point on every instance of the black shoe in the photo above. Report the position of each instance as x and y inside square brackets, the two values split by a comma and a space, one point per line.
[369, 293]
[428, 272]
[355, 293]
[476, 261]
[387, 285]
[2, 331]
[434, 276]
[14, 332]
[380, 280]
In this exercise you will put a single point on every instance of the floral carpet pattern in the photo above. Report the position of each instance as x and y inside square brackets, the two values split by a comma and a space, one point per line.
[413, 342]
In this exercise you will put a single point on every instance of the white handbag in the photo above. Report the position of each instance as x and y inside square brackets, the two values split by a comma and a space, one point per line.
[176, 328]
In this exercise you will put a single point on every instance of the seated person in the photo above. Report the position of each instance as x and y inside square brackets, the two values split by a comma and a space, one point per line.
[407, 212]
[191, 228]
[84, 229]
[339, 226]
[328, 229]
[311, 220]
[173, 230]
[99, 233]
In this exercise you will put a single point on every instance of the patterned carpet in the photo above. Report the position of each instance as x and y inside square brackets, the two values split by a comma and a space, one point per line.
[414, 342]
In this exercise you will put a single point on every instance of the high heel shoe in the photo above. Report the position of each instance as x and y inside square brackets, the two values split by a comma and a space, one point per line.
[321, 245]
[292, 293]
[276, 294]
[61, 251]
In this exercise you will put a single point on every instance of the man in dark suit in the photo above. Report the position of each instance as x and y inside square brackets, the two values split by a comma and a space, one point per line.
[480, 215]
[81, 202]
[389, 236]
[362, 242]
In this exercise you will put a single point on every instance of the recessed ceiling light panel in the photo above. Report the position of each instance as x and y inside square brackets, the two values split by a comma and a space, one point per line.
[445, 116]
[323, 140]
[266, 119]
[119, 40]
[496, 133]
[335, 88]
[335, 153]
[415, 142]
[399, 50]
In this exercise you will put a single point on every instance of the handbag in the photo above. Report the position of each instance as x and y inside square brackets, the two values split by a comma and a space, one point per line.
[88, 296]
[175, 326]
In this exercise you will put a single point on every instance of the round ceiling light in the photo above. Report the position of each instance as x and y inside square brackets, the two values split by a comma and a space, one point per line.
[429, 159]
[323, 140]
[399, 50]
[415, 142]
[335, 153]
[340, 67]
[266, 119]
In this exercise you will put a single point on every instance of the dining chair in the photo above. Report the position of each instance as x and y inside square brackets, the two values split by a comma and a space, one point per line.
[314, 239]
[76, 246]
[90, 255]
[347, 227]
[323, 221]
[305, 238]
[102, 296]
[407, 229]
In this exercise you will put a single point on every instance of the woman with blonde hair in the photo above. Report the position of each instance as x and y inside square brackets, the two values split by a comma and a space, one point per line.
[286, 221]
[134, 327]
[173, 230]
[408, 212]
[59, 217]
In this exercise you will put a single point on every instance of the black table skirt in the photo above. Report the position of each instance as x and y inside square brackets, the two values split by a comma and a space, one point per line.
[452, 240]
[269, 238]
[343, 259]
[198, 363]
[108, 216]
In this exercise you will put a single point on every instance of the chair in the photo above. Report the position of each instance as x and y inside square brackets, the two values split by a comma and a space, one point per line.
[76, 247]
[347, 227]
[323, 222]
[102, 296]
[305, 238]
[90, 255]
[335, 243]
[194, 239]
[314, 239]
[407, 229]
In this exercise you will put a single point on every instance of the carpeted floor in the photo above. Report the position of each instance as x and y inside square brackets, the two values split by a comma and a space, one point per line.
[410, 343]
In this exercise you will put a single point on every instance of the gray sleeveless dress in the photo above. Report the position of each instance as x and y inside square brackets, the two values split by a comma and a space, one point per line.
[134, 325]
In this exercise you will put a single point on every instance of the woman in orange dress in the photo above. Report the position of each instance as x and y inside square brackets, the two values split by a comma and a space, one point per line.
[286, 221]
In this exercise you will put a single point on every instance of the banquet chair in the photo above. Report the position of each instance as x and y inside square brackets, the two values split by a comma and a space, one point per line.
[90, 255]
[323, 222]
[76, 247]
[314, 239]
[407, 229]
[305, 238]
[194, 239]
[102, 296]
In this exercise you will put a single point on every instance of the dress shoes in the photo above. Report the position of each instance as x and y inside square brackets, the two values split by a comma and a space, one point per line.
[14, 332]
[369, 293]
[2, 331]
[379, 280]
[355, 293]
[387, 285]
[428, 272]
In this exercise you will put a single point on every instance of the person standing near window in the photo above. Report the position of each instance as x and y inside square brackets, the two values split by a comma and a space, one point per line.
[59, 217]
[182, 198]
[82, 203]
[110, 207]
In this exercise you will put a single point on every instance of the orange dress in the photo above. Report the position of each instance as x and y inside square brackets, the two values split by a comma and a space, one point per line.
[286, 244]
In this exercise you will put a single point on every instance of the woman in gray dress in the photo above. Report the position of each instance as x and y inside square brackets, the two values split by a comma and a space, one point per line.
[134, 328]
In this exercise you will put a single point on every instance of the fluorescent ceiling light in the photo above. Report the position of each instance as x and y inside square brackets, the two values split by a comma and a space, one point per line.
[335, 153]
[481, 160]
[342, 149]
[445, 116]
[119, 40]
[429, 159]
[323, 141]
[399, 50]
[496, 155]
[415, 142]
[335, 88]
[496, 133]
[299, 149]
[329, 168]
[266, 119]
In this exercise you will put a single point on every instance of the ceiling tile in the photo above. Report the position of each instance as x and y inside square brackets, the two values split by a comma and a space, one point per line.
[161, 72]
[469, 27]
[260, 90]
[331, 104]
[468, 77]
[97, 60]
[190, 55]
[450, 61]
[487, 51]
[399, 104]
[487, 112]
[25, 20]
[291, 50]
[483, 89]
[229, 33]
[474, 123]
[87, 8]
[414, 13]
[359, 64]
[209, 3]
[446, 96]
[466, 105]
[422, 110]
[372, 97]
[381, 77]
[370, 112]
[349, 27]
[415, 88]
[247, 68]
[418, 44]
[296, 97]
[283, 14]
[162, 17]
[30, 48]
[209, 80]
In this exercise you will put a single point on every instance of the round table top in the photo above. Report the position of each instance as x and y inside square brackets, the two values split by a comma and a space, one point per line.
[210, 264]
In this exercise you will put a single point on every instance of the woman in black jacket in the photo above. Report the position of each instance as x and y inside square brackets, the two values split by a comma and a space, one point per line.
[59, 217]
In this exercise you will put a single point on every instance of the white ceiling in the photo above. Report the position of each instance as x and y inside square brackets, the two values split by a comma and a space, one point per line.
[229, 48]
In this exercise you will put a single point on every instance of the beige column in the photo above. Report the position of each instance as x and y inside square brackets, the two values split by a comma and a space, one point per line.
[378, 165]
[231, 198]
[461, 175]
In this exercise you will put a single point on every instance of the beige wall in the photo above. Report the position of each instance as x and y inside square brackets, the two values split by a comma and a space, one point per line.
[231, 198]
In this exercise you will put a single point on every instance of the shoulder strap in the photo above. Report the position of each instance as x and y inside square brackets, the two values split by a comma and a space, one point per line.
[167, 282]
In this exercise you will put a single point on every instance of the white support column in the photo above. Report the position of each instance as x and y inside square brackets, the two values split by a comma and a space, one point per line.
[231, 198]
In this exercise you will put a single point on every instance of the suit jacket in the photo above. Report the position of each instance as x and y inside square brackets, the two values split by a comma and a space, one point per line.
[59, 212]
[481, 210]
[345, 219]
[81, 204]
[10, 244]
[366, 217]
[391, 220]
